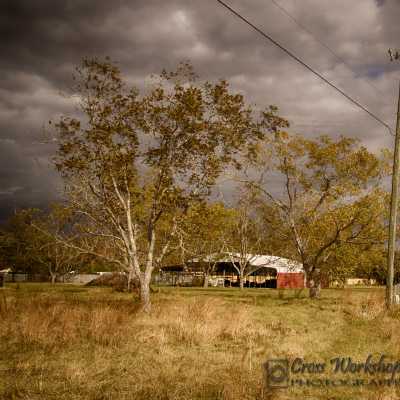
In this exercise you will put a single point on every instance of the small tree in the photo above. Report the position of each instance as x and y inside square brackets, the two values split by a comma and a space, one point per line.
[394, 54]
[47, 248]
[30, 243]
[15, 241]
[203, 235]
[246, 239]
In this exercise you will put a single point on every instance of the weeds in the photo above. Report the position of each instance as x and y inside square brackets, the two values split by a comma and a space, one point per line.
[90, 344]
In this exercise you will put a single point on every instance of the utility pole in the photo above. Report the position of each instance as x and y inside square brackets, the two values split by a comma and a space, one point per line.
[393, 212]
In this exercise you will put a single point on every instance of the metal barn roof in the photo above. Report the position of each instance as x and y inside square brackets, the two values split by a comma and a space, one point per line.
[280, 264]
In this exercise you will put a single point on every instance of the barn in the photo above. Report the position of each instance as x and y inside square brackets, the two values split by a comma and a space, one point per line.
[289, 273]
[266, 271]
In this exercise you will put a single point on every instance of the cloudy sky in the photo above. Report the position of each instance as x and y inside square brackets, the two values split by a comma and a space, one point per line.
[42, 41]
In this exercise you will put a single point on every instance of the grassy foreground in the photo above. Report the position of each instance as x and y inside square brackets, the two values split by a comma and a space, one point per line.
[70, 342]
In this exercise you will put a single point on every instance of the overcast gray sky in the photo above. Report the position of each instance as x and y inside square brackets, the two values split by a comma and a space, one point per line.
[42, 41]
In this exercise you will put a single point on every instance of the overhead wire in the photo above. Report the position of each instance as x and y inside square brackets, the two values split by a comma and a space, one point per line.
[305, 65]
[315, 37]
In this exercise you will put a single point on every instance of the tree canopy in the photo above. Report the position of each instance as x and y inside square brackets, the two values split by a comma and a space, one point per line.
[140, 167]
[136, 161]
[331, 198]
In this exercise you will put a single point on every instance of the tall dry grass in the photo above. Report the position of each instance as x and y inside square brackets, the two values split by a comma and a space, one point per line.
[44, 321]
[95, 345]
[368, 306]
[196, 348]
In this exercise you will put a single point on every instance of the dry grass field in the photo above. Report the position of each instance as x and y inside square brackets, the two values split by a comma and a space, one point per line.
[69, 342]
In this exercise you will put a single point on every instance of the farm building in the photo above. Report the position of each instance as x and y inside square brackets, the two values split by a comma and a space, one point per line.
[266, 271]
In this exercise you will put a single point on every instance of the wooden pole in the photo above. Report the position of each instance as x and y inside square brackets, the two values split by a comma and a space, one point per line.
[393, 211]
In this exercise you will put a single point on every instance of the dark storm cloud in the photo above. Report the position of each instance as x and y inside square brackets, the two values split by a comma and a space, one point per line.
[42, 41]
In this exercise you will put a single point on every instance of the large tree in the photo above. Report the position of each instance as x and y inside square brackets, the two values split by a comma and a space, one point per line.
[331, 199]
[133, 163]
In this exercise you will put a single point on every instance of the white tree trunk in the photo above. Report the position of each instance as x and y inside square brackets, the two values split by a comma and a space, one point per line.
[131, 277]
[241, 280]
[145, 303]
[314, 282]
[315, 289]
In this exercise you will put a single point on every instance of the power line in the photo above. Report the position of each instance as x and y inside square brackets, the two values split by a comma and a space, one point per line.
[289, 53]
[299, 24]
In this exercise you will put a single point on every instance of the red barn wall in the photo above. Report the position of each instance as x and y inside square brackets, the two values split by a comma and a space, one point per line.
[290, 280]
